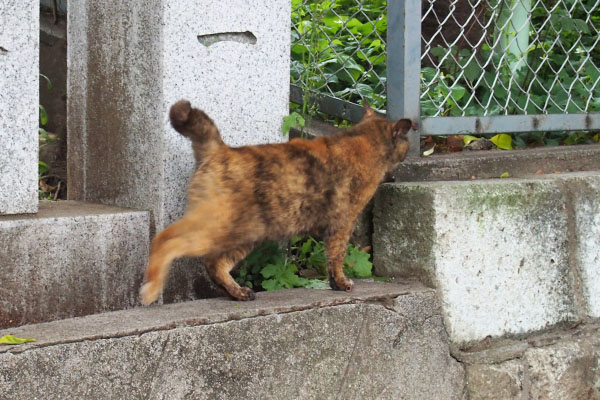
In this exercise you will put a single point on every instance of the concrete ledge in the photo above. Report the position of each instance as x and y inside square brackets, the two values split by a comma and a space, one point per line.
[509, 256]
[492, 164]
[384, 341]
[70, 259]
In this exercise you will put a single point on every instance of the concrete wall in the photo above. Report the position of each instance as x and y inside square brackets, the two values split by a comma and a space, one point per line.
[19, 103]
[129, 63]
[70, 259]
[383, 341]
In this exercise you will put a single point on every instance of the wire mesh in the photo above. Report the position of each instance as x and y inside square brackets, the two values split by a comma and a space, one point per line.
[478, 57]
[503, 57]
[338, 48]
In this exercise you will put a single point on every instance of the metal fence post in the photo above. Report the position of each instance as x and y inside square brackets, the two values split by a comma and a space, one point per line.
[404, 64]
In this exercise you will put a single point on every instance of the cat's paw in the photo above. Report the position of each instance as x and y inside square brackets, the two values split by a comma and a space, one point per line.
[245, 294]
[149, 293]
[343, 284]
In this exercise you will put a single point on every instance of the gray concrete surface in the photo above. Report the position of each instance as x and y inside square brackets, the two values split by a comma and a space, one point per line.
[129, 62]
[383, 341]
[509, 256]
[492, 164]
[19, 106]
[70, 259]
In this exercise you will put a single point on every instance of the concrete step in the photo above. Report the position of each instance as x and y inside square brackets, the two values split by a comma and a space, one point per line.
[70, 259]
[509, 256]
[383, 340]
[491, 164]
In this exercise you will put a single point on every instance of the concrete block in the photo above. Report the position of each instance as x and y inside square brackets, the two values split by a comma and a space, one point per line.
[586, 220]
[128, 63]
[508, 256]
[307, 344]
[70, 259]
[19, 106]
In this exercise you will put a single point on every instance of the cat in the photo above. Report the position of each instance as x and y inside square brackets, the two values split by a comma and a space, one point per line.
[239, 197]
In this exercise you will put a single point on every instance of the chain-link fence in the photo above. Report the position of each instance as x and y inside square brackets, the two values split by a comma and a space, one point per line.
[338, 49]
[510, 57]
[464, 58]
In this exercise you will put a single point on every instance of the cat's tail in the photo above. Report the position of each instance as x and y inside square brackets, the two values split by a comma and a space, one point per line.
[195, 124]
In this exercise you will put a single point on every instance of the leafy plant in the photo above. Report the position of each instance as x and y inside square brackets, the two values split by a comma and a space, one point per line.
[302, 264]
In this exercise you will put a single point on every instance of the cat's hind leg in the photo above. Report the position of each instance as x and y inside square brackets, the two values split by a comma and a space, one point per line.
[219, 268]
[182, 238]
[335, 248]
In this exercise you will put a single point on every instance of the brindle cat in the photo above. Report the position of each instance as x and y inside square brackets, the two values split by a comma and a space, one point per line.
[239, 197]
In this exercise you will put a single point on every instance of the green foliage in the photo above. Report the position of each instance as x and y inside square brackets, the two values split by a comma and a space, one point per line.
[337, 49]
[290, 121]
[10, 339]
[346, 61]
[357, 264]
[271, 267]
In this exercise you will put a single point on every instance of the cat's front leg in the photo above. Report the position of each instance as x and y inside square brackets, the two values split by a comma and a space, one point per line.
[335, 246]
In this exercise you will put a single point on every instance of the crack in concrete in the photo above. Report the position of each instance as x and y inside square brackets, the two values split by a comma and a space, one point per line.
[352, 355]
[380, 300]
[158, 365]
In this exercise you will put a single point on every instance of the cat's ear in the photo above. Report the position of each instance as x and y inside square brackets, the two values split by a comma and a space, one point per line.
[369, 112]
[402, 127]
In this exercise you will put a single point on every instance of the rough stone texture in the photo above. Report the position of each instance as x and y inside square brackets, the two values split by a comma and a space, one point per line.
[70, 259]
[382, 341]
[19, 106]
[495, 382]
[586, 206]
[128, 63]
[509, 256]
[567, 369]
[492, 164]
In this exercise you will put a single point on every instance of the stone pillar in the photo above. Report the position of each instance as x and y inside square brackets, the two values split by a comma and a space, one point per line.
[19, 102]
[130, 61]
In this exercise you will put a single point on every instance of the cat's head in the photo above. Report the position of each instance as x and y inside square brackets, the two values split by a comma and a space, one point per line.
[393, 134]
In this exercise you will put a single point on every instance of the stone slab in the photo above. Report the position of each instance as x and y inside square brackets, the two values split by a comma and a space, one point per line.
[382, 341]
[70, 259]
[492, 164]
[567, 369]
[19, 106]
[128, 63]
[509, 256]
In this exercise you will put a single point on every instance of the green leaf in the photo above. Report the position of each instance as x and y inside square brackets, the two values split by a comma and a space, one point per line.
[43, 168]
[357, 264]
[290, 121]
[468, 139]
[317, 284]
[10, 339]
[429, 152]
[381, 279]
[269, 271]
[43, 115]
[503, 141]
[48, 83]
